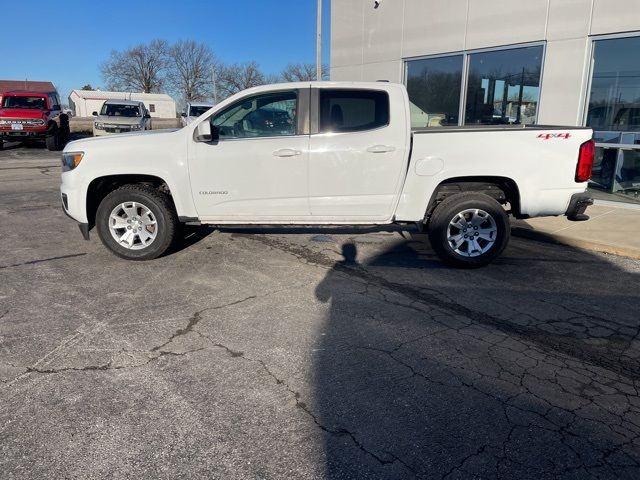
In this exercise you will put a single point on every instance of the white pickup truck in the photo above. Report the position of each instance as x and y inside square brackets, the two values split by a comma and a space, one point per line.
[325, 153]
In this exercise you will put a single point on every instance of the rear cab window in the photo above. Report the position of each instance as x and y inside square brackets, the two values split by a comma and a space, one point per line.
[343, 110]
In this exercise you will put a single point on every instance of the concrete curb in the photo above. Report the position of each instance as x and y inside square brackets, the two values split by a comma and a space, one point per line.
[531, 234]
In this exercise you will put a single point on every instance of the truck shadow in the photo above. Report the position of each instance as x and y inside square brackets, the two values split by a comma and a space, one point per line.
[189, 235]
[528, 368]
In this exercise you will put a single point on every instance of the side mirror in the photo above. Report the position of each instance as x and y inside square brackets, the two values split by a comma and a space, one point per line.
[203, 132]
[147, 115]
[95, 114]
[183, 114]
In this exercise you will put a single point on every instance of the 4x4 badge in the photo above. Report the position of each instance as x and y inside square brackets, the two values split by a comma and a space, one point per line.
[549, 136]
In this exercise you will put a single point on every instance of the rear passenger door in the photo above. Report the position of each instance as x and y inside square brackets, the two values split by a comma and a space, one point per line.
[357, 154]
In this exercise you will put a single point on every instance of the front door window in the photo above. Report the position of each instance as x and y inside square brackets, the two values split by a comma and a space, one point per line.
[270, 115]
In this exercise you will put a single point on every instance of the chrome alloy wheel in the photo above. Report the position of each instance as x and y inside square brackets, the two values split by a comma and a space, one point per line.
[133, 225]
[472, 232]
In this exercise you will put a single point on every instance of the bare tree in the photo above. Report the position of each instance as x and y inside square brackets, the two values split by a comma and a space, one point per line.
[87, 87]
[302, 72]
[239, 76]
[190, 72]
[140, 69]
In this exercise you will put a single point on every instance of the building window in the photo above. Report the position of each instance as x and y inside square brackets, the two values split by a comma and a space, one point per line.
[434, 86]
[152, 107]
[614, 103]
[614, 113]
[503, 86]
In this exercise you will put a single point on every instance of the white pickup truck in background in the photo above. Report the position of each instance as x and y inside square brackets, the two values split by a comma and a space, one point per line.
[193, 111]
[325, 153]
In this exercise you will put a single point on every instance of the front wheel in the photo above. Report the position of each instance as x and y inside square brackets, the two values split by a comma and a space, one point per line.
[469, 230]
[137, 222]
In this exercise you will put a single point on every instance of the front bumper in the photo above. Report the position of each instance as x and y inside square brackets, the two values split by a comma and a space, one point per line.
[19, 135]
[84, 227]
[73, 195]
[113, 129]
[577, 206]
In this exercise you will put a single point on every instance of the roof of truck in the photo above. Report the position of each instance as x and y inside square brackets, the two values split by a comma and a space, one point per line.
[31, 86]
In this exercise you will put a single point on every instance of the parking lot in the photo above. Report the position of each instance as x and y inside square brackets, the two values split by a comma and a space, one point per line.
[325, 353]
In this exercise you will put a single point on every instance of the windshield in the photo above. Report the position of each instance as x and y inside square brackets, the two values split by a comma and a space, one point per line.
[36, 103]
[197, 111]
[115, 110]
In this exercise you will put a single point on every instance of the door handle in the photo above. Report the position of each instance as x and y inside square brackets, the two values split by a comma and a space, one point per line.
[381, 149]
[287, 152]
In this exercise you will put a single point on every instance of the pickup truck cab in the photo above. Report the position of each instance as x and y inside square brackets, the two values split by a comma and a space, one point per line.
[193, 111]
[33, 116]
[325, 153]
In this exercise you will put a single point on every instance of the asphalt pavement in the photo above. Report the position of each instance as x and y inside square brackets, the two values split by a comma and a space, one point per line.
[327, 353]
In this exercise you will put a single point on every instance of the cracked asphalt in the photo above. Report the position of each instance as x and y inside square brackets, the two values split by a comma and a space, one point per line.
[311, 354]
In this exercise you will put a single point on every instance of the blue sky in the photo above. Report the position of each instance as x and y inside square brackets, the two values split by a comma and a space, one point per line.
[67, 44]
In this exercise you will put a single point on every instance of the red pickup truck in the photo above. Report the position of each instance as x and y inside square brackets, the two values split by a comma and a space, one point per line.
[33, 116]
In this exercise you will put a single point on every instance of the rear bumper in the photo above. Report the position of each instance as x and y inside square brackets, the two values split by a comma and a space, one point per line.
[577, 206]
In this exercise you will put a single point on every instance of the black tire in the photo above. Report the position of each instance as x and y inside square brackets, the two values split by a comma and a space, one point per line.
[52, 140]
[1, 144]
[469, 255]
[162, 210]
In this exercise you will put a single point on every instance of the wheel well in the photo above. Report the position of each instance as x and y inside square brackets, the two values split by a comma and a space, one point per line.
[502, 189]
[103, 186]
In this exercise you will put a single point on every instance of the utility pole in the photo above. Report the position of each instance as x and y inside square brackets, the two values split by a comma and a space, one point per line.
[319, 42]
[215, 85]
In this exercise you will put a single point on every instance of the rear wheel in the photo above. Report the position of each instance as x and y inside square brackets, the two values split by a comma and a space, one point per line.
[469, 230]
[137, 222]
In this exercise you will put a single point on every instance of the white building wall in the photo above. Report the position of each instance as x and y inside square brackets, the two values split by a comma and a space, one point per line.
[372, 44]
[84, 107]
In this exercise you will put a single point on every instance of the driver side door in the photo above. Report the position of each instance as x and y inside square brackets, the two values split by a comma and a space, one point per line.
[257, 171]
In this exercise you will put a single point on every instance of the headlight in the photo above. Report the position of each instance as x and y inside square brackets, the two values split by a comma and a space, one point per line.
[99, 126]
[136, 127]
[71, 160]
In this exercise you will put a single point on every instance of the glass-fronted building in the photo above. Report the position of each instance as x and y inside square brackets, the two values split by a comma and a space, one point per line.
[489, 62]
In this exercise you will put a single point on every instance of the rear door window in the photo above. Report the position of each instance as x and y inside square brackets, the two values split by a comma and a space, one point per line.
[353, 110]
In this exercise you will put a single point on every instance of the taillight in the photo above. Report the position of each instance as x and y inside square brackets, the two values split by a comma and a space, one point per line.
[585, 161]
